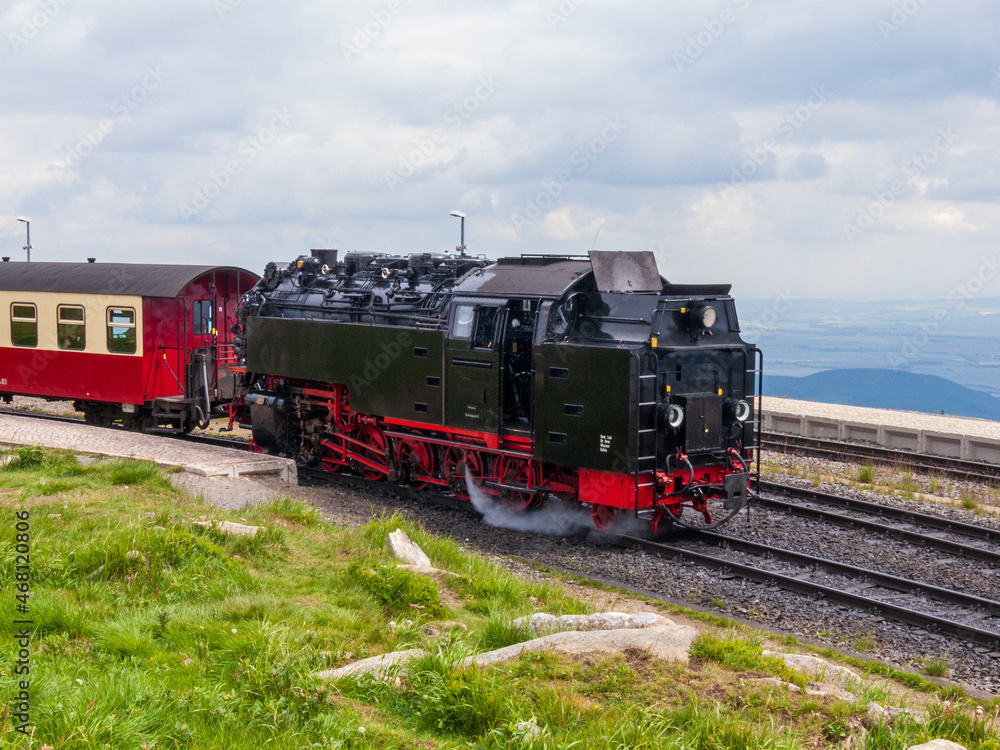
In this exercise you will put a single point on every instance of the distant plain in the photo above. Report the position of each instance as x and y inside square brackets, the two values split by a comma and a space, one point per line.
[957, 339]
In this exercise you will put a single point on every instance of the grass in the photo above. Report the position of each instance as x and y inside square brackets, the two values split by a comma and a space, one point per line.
[969, 501]
[936, 667]
[865, 643]
[154, 632]
[866, 474]
[743, 654]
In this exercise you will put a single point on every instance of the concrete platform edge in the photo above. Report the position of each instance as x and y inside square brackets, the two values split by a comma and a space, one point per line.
[950, 444]
[283, 467]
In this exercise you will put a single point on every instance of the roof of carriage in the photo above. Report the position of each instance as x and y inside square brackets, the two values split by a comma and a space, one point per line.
[137, 279]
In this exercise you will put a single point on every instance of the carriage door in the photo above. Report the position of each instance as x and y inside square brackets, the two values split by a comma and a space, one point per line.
[472, 363]
[201, 375]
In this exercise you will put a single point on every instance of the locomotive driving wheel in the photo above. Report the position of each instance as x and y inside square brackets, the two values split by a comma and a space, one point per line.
[515, 471]
[376, 449]
[605, 517]
[420, 456]
[456, 462]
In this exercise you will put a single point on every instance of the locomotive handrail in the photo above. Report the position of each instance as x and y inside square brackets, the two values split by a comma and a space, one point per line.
[758, 417]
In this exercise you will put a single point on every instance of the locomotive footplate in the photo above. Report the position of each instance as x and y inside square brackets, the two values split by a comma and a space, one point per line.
[737, 490]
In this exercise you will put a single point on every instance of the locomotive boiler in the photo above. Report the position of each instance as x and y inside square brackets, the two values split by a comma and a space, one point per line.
[590, 378]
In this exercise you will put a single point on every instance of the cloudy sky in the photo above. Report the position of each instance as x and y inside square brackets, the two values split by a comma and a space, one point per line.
[847, 149]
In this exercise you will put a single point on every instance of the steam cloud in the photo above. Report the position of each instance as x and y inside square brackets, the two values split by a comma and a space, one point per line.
[555, 517]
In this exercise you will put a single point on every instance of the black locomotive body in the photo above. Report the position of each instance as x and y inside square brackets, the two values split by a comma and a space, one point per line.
[590, 378]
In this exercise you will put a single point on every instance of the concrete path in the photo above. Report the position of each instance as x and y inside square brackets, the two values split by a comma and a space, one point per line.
[204, 460]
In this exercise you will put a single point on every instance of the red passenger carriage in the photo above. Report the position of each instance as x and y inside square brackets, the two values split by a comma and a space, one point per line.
[150, 346]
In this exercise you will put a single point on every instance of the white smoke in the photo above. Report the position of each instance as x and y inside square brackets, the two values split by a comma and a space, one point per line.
[555, 517]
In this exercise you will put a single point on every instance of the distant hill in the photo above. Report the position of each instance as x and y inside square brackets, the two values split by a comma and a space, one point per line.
[886, 389]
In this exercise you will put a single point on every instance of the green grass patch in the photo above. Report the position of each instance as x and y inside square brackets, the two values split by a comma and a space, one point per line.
[743, 655]
[152, 630]
[936, 667]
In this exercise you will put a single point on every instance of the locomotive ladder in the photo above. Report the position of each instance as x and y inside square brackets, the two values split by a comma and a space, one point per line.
[644, 464]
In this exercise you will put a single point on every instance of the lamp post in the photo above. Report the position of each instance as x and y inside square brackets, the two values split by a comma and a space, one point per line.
[461, 247]
[27, 223]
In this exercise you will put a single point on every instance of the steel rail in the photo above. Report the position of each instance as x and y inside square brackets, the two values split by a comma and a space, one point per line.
[897, 583]
[954, 467]
[932, 623]
[886, 511]
[926, 540]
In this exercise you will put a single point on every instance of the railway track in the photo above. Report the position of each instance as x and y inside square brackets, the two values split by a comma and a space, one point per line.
[799, 569]
[955, 468]
[949, 536]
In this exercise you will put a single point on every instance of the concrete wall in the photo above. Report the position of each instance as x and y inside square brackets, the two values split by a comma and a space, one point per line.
[948, 444]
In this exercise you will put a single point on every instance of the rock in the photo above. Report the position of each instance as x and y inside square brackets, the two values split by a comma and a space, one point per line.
[426, 571]
[937, 745]
[545, 623]
[826, 690]
[228, 527]
[529, 729]
[813, 666]
[377, 666]
[133, 554]
[856, 739]
[876, 714]
[408, 551]
[668, 642]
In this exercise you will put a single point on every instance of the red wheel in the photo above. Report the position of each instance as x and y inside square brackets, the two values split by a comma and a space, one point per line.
[420, 456]
[333, 456]
[517, 471]
[376, 449]
[456, 460]
[604, 516]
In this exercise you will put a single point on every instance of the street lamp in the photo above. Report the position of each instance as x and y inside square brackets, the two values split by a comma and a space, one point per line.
[460, 215]
[27, 223]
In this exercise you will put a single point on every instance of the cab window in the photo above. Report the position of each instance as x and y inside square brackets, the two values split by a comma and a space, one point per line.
[23, 324]
[486, 328]
[72, 327]
[121, 330]
[464, 317]
[202, 317]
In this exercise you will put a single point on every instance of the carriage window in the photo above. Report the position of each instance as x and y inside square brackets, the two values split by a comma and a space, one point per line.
[121, 330]
[72, 331]
[23, 325]
[203, 317]
[464, 315]
[486, 327]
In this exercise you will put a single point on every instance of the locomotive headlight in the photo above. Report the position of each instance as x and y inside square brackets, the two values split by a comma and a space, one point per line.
[675, 416]
[709, 316]
[742, 411]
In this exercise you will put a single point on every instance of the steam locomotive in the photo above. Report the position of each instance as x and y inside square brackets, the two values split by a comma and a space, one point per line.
[590, 378]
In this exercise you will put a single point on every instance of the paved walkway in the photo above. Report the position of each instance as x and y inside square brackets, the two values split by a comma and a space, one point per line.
[205, 460]
[888, 417]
